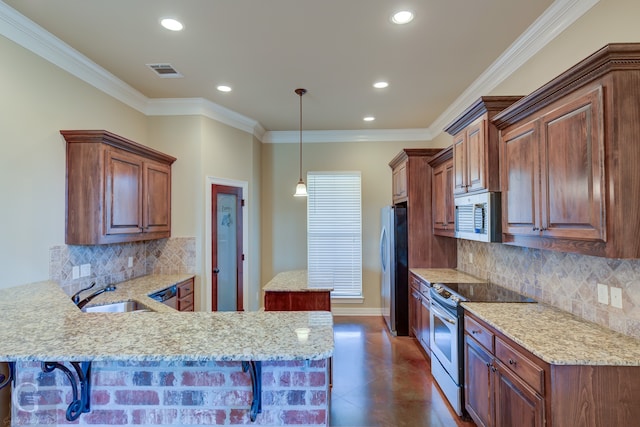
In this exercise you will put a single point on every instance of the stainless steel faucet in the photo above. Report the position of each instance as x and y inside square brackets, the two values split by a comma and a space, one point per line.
[80, 304]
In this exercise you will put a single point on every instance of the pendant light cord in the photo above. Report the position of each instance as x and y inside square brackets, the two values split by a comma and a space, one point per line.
[301, 92]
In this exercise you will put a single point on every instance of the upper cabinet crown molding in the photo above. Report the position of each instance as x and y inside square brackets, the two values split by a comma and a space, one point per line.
[484, 104]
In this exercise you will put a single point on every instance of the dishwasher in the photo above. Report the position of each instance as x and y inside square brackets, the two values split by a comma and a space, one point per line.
[166, 296]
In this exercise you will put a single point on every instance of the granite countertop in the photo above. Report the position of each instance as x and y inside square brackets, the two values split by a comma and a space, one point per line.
[558, 337]
[40, 322]
[445, 275]
[292, 281]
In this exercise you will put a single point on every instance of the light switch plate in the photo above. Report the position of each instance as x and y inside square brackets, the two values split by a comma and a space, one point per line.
[603, 294]
[616, 297]
[470, 258]
[75, 272]
[130, 262]
[85, 270]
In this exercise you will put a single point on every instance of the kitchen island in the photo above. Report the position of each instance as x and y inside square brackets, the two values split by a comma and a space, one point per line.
[290, 291]
[161, 366]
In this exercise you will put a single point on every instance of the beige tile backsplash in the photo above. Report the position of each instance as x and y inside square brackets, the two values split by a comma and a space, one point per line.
[110, 263]
[564, 280]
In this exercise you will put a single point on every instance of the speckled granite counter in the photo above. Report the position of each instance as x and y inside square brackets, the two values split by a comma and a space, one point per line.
[40, 322]
[444, 275]
[558, 337]
[292, 281]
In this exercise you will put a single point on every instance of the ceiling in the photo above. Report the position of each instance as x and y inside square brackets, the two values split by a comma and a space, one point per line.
[336, 49]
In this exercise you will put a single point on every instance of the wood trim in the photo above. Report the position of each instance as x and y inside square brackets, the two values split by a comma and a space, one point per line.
[484, 104]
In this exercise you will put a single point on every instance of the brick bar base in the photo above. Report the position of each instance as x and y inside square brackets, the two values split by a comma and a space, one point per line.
[176, 393]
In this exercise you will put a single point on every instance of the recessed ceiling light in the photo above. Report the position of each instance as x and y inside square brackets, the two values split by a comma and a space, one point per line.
[171, 24]
[369, 119]
[224, 88]
[380, 85]
[402, 17]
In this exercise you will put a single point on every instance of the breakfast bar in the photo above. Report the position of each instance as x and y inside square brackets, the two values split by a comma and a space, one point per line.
[161, 366]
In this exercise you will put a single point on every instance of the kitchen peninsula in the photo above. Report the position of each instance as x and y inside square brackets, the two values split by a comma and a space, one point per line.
[161, 366]
[290, 291]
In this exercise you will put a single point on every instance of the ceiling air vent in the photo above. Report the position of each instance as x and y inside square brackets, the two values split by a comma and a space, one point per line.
[165, 71]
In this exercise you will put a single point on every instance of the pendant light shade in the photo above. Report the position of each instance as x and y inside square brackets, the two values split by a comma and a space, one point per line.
[301, 188]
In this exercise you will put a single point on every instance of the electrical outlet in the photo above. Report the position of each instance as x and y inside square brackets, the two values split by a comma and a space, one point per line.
[616, 297]
[75, 272]
[85, 270]
[130, 262]
[603, 294]
[470, 258]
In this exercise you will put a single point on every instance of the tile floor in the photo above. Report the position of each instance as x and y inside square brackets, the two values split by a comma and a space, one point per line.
[380, 380]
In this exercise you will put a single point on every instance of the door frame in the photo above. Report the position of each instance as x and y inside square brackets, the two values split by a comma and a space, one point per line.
[212, 180]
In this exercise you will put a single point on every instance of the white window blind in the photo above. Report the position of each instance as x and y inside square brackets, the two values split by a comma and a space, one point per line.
[334, 232]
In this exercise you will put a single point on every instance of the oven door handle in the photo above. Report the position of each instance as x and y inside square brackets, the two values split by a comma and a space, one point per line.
[442, 315]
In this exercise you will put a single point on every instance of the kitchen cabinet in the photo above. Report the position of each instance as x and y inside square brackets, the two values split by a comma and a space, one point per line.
[568, 162]
[442, 194]
[297, 300]
[425, 249]
[399, 180]
[185, 295]
[117, 190]
[475, 145]
[419, 312]
[507, 385]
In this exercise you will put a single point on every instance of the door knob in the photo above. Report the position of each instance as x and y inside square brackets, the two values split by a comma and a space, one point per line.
[216, 270]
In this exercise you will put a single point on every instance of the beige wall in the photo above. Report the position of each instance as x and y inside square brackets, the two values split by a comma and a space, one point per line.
[38, 99]
[284, 243]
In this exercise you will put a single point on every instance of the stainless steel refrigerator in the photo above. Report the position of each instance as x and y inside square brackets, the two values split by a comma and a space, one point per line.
[395, 269]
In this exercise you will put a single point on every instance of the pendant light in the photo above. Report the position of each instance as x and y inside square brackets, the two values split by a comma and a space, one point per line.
[301, 188]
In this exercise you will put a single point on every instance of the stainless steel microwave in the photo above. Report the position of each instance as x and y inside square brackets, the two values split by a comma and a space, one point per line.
[478, 217]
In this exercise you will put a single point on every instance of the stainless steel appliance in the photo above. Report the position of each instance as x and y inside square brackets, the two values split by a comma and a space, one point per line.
[447, 332]
[477, 217]
[168, 296]
[395, 269]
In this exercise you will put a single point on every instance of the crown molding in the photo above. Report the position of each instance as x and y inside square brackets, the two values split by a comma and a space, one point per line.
[19, 29]
[553, 21]
[370, 135]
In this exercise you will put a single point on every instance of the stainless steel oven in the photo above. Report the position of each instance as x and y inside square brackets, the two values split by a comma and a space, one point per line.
[446, 350]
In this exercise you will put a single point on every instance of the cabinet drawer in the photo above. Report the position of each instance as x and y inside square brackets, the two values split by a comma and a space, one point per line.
[184, 303]
[185, 288]
[481, 334]
[521, 365]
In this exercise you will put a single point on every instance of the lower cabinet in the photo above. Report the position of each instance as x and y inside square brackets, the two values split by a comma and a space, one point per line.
[297, 301]
[506, 385]
[419, 312]
[185, 295]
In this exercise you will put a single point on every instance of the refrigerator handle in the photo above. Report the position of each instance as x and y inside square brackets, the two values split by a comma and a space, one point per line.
[383, 252]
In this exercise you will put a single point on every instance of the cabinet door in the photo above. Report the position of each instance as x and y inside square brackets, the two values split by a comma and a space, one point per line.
[400, 182]
[450, 209]
[572, 145]
[425, 323]
[476, 156]
[460, 163]
[517, 404]
[414, 313]
[157, 197]
[439, 198]
[123, 193]
[478, 390]
[520, 180]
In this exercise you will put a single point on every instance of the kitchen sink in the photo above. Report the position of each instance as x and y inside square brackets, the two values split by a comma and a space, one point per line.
[117, 307]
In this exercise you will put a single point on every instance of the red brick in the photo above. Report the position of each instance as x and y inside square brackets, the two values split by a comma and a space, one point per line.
[100, 397]
[268, 379]
[317, 379]
[318, 363]
[154, 416]
[231, 397]
[285, 379]
[108, 378]
[199, 378]
[298, 379]
[202, 416]
[318, 398]
[304, 417]
[240, 378]
[100, 416]
[137, 397]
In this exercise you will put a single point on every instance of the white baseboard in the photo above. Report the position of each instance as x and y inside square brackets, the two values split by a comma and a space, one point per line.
[356, 311]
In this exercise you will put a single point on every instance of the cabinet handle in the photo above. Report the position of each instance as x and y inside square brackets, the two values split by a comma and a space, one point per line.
[536, 229]
[512, 362]
[543, 229]
[476, 332]
[493, 368]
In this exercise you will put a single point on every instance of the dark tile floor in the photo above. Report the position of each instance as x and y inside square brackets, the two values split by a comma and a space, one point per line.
[380, 380]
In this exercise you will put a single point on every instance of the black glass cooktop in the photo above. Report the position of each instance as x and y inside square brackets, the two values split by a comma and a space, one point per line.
[482, 292]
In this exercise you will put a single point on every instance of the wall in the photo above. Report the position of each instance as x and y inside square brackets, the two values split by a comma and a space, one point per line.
[284, 216]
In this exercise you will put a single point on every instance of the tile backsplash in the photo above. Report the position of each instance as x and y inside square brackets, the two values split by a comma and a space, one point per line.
[110, 263]
[564, 280]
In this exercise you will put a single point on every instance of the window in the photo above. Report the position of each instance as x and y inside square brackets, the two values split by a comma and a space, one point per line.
[334, 232]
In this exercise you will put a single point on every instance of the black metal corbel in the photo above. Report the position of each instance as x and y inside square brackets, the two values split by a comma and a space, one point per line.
[255, 371]
[81, 401]
[4, 381]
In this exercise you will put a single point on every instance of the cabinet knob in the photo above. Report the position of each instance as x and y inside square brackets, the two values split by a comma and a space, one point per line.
[475, 332]
[512, 362]
[493, 368]
[536, 229]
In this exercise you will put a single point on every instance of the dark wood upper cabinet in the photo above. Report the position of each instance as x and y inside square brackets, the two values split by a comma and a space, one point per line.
[117, 190]
[442, 193]
[569, 159]
[475, 145]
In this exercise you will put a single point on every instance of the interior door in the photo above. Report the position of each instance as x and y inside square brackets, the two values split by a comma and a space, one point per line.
[226, 248]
